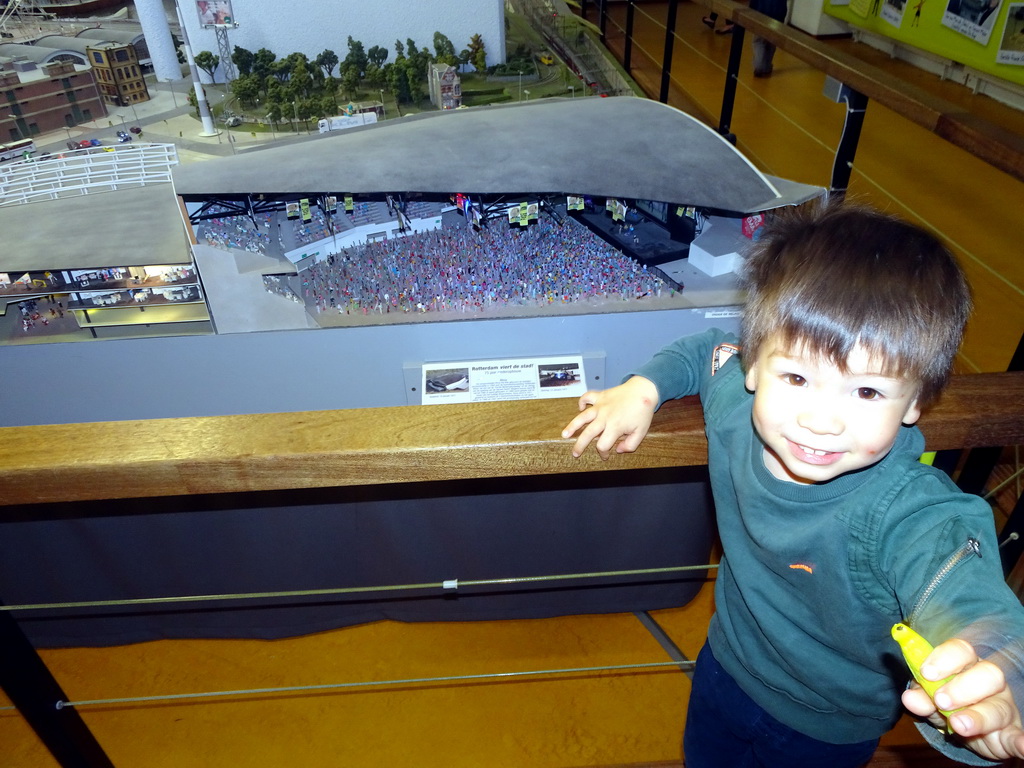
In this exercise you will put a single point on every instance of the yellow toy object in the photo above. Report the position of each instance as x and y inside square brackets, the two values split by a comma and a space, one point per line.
[915, 650]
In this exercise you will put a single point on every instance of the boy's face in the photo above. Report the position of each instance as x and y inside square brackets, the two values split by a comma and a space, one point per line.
[818, 422]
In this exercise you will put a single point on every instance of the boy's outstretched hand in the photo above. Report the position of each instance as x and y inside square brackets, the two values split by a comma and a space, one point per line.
[618, 417]
[988, 720]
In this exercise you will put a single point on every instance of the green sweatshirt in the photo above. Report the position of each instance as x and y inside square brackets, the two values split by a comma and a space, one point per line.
[814, 576]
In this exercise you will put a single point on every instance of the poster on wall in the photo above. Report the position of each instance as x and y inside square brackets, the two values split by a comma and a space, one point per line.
[972, 18]
[985, 35]
[1011, 47]
[213, 13]
[893, 10]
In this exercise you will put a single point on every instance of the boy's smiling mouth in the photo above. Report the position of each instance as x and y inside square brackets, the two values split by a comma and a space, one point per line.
[810, 455]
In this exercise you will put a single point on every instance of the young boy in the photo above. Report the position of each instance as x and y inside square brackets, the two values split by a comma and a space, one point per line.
[832, 529]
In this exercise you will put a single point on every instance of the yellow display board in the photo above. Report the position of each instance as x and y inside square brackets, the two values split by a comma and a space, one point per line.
[986, 35]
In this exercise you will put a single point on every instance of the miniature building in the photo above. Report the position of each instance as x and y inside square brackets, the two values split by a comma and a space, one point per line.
[37, 99]
[108, 285]
[118, 73]
[445, 87]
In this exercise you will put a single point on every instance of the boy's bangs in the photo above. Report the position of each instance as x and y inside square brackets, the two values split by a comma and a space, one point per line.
[832, 336]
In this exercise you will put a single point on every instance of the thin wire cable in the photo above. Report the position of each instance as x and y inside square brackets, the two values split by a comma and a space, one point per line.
[448, 586]
[370, 684]
[1006, 482]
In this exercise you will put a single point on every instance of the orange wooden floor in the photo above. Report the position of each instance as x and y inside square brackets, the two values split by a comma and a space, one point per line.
[787, 128]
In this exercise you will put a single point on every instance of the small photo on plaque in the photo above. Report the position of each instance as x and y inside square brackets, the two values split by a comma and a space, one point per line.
[447, 380]
[559, 375]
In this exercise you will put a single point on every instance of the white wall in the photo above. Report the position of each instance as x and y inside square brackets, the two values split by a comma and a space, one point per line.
[312, 369]
[312, 26]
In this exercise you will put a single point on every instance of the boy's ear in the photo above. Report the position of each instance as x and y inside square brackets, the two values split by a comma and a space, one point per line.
[913, 413]
[750, 379]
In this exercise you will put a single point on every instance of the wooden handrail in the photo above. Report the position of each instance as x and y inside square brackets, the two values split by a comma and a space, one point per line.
[991, 143]
[173, 457]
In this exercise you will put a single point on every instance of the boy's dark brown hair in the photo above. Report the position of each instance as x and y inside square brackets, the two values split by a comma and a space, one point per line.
[830, 277]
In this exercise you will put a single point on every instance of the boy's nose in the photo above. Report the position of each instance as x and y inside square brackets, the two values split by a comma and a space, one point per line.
[820, 421]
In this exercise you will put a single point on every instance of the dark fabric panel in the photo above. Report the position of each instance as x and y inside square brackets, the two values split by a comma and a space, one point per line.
[345, 537]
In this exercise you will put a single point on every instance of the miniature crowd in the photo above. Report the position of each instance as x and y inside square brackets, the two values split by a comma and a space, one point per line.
[234, 231]
[465, 270]
[32, 314]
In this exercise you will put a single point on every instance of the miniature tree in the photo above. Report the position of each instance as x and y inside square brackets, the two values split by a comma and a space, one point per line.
[377, 56]
[356, 56]
[282, 70]
[414, 85]
[178, 45]
[327, 60]
[246, 88]
[299, 78]
[275, 111]
[375, 76]
[350, 81]
[398, 79]
[419, 58]
[306, 109]
[328, 106]
[444, 51]
[478, 53]
[263, 63]
[243, 60]
[208, 62]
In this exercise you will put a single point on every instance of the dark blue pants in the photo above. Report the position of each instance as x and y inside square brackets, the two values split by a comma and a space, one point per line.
[726, 729]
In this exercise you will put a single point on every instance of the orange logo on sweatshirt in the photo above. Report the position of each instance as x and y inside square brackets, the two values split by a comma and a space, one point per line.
[801, 567]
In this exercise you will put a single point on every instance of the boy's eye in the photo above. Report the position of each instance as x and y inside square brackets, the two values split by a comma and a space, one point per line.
[794, 378]
[867, 393]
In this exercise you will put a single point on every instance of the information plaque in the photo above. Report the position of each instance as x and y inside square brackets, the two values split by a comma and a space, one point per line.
[477, 381]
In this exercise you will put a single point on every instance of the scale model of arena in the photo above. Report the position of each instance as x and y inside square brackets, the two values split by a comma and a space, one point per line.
[375, 233]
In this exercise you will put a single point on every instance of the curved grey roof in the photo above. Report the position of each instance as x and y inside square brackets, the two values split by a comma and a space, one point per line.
[30, 52]
[122, 36]
[617, 147]
[61, 43]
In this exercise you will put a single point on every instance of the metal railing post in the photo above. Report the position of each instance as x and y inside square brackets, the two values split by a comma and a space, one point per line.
[670, 35]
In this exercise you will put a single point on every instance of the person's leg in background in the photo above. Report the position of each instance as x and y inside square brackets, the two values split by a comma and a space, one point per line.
[709, 22]
[764, 53]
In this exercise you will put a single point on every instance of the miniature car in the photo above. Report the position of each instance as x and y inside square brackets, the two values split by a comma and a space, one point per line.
[123, 136]
[233, 121]
[95, 143]
[135, 129]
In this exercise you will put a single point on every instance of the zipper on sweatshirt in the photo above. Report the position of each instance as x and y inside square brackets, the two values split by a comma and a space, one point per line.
[970, 548]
